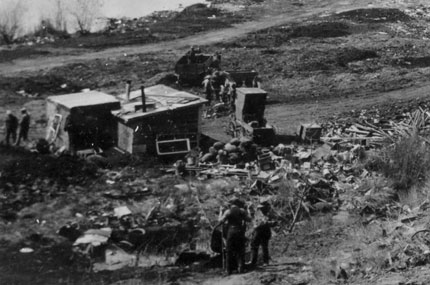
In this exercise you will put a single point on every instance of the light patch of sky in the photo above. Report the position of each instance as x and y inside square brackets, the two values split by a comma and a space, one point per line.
[38, 9]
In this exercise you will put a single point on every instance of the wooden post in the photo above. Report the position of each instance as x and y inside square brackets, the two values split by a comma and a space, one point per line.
[127, 90]
[142, 89]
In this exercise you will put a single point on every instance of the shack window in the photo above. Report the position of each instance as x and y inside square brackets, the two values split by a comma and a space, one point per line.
[173, 146]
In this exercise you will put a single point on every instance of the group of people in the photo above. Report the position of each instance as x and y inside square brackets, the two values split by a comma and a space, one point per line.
[219, 88]
[234, 221]
[14, 126]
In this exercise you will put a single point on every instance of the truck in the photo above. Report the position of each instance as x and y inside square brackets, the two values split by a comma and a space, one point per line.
[195, 65]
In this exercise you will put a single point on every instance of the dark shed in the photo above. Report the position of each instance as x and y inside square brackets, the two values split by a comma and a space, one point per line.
[90, 112]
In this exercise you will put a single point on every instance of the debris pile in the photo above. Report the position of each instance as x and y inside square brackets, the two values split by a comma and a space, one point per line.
[124, 25]
[141, 219]
[39, 177]
[150, 227]
[316, 173]
[405, 243]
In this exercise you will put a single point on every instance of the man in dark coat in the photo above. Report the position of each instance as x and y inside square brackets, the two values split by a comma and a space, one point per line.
[73, 132]
[24, 126]
[11, 126]
[236, 218]
[263, 221]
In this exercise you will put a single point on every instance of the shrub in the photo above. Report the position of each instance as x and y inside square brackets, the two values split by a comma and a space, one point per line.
[47, 28]
[407, 161]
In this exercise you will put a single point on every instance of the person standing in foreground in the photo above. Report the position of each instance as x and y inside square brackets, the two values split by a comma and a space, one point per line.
[24, 126]
[261, 233]
[236, 218]
[11, 126]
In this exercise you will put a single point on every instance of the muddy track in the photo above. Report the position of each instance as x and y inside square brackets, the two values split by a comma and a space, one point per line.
[314, 8]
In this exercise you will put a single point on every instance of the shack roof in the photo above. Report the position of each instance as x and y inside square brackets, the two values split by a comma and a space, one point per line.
[83, 99]
[158, 98]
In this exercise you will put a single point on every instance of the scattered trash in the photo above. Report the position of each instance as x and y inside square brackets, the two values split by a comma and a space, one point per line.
[122, 211]
[26, 250]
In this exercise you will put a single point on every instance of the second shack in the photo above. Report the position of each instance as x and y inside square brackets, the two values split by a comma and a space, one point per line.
[159, 120]
[89, 113]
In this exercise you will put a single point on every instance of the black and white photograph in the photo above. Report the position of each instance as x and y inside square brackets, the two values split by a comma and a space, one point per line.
[215, 142]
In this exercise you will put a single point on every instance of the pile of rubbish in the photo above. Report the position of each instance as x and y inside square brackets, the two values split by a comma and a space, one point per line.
[140, 231]
[38, 177]
[150, 230]
[316, 173]
[124, 25]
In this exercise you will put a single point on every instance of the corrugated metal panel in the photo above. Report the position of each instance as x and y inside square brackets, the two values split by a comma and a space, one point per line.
[165, 99]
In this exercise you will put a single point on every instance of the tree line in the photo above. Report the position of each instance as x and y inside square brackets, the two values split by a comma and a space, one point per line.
[79, 13]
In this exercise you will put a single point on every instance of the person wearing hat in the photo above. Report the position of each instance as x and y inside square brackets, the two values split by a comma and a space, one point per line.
[235, 219]
[24, 126]
[261, 233]
[207, 86]
[11, 126]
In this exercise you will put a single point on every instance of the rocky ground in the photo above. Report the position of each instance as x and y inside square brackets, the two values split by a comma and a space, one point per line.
[331, 62]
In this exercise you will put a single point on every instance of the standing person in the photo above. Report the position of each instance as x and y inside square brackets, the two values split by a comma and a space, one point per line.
[73, 131]
[232, 97]
[256, 82]
[11, 126]
[207, 85]
[261, 233]
[24, 126]
[236, 218]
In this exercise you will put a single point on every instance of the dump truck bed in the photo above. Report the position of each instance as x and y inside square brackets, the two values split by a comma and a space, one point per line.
[193, 71]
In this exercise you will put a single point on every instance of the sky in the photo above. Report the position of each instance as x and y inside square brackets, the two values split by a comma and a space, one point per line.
[36, 9]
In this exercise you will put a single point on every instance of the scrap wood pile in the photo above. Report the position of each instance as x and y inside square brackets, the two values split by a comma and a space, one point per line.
[377, 132]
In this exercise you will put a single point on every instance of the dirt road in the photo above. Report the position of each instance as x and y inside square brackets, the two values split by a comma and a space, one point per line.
[314, 7]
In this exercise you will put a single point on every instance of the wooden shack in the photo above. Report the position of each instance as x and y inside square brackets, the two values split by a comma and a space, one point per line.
[159, 120]
[91, 113]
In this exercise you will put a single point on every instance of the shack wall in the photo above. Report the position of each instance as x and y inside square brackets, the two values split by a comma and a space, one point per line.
[125, 137]
[141, 135]
[98, 117]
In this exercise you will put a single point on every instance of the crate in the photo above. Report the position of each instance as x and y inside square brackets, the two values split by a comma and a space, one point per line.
[310, 132]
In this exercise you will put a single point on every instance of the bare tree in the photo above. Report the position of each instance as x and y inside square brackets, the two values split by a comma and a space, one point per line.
[60, 20]
[11, 15]
[85, 12]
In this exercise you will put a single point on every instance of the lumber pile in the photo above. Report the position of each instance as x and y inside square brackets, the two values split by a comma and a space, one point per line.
[378, 132]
